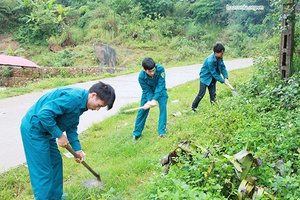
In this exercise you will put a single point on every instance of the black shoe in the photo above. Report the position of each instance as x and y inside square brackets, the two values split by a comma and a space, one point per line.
[134, 138]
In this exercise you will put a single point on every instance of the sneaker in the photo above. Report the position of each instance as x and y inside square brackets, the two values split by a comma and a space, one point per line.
[162, 135]
[193, 110]
[134, 138]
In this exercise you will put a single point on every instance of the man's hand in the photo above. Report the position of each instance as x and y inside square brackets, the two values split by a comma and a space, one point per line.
[63, 141]
[152, 103]
[80, 154]
[146, 106]
[149, 104]
[227, 82]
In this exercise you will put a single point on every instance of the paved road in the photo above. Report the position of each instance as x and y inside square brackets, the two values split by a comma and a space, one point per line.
[127, 90]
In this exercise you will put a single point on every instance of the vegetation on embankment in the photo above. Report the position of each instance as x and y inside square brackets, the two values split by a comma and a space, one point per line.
[263, 119]
[62, 33]
[175, 33]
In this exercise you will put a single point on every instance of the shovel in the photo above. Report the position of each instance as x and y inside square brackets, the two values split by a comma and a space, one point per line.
[234, 92]
[91, 183]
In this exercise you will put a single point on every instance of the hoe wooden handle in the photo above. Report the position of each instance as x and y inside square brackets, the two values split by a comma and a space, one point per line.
[231, 87]
[71, 150]
[133, 109]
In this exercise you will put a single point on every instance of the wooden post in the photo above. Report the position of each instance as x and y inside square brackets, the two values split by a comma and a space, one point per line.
[287, 39]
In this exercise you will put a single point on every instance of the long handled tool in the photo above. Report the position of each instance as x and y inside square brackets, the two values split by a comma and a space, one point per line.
[234, 92]
[91, 183]
[132, 109]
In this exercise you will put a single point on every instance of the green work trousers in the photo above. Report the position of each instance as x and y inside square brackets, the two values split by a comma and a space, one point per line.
[143, 114]
[44, 163]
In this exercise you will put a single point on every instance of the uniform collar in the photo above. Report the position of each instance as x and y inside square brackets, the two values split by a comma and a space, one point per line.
[145, 75]
[215, 58]
[84, 100]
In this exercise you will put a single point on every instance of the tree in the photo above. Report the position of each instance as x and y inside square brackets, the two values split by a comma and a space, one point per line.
[207, 12]
[8, 18]
[155, 8]
[43, 20]
[249, 20]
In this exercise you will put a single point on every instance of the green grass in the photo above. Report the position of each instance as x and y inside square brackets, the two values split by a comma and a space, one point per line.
[126, 166]
[131, 170]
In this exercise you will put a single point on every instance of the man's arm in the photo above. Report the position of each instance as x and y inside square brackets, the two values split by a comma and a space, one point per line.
[146, 89]
[72, 136]
[161, 84]
[50, 111]
[224, 71]
[213, 71]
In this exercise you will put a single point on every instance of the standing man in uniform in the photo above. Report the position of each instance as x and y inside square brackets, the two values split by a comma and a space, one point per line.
[42, 132]
[210, 73]
[152, 80]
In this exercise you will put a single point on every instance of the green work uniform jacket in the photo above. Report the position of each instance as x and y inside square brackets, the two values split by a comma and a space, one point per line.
[58, 111]
[155, 87]
[213, 68]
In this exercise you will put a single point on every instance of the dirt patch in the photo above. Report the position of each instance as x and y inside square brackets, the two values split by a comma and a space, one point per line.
[7, 42]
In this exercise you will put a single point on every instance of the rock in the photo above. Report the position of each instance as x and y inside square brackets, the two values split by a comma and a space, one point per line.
[105, 54]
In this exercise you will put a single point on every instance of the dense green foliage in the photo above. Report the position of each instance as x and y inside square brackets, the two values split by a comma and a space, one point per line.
[263, 119]
[187, 28]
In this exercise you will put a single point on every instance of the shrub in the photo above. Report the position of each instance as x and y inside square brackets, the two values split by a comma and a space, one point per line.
[6, 71]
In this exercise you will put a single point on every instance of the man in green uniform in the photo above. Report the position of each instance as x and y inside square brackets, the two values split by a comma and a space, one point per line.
[42, 131]
[210, 73]
[152, 80]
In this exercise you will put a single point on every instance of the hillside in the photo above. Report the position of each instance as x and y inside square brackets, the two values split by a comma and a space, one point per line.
[62, 33]
[259, 126]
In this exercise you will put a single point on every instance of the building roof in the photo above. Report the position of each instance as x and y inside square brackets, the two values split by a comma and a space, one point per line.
[16, 61]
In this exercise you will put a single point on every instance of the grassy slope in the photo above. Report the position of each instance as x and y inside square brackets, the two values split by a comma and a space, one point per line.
[126, 166]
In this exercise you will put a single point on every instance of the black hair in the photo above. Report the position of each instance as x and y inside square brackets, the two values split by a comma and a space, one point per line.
[104, 92]
[218, 48]
[148, 63]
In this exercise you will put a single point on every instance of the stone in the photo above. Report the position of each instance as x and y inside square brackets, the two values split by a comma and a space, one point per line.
[105, 54]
